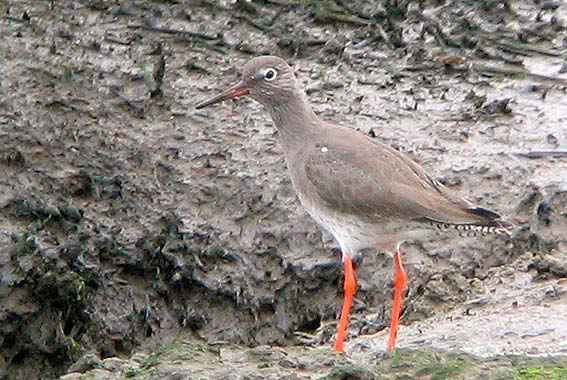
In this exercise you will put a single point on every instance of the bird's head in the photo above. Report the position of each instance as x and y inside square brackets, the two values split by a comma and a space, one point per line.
[267, 79]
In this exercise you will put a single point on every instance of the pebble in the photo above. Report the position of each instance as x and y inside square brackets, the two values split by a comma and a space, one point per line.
[71, 376]
[114, 364]
[94, 374]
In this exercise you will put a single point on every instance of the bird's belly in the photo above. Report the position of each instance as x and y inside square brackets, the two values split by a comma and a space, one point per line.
[354, 234]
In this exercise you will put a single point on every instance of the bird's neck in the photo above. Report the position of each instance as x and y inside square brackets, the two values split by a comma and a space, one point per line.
[295, 120]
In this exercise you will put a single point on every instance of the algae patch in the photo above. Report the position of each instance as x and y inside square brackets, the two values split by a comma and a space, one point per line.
[539, 373]
[426, 364]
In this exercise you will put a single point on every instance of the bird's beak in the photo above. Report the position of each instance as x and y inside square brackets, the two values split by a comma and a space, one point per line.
[238, 90]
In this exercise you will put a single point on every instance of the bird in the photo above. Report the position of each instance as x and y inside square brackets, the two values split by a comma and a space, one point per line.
[364, 192]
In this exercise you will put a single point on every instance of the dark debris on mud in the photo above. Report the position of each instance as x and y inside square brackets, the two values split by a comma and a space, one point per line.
[126, 217]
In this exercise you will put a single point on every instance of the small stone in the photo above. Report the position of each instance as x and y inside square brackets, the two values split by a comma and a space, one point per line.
[556, 265]
[333, 84]
[549, 5]
[497, 107]
[85, 363]
[114, 364]
[100, 374]
[71, 376]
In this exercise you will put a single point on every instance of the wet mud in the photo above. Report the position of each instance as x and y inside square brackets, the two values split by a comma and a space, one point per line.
[128, 218]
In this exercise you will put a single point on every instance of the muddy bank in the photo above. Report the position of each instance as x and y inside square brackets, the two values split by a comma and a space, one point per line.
[126, 217]
[184, 360]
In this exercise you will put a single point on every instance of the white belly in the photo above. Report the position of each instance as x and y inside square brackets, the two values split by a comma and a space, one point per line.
[354, 235]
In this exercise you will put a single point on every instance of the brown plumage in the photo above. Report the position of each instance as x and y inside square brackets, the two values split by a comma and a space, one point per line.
[364, 192]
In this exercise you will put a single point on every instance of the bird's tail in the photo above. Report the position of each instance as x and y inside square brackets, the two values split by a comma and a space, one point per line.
[482, 221]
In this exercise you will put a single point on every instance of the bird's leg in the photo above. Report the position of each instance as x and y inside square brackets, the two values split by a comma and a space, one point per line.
[399, 285]
[349, 290]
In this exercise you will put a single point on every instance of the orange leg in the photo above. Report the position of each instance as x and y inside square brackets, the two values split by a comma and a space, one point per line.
[399, 285]
[349, 290]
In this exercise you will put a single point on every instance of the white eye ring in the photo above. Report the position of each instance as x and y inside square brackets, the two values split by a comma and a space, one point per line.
[270, 74]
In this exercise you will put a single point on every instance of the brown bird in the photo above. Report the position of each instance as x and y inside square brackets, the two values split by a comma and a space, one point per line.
[365, 193]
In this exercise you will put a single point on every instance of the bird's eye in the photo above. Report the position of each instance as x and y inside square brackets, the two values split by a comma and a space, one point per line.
[270, 74]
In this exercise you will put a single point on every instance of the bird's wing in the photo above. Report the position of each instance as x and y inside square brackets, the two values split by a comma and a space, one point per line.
[379, 183]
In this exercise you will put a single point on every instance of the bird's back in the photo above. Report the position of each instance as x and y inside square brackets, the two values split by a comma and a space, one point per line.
[344, 175]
